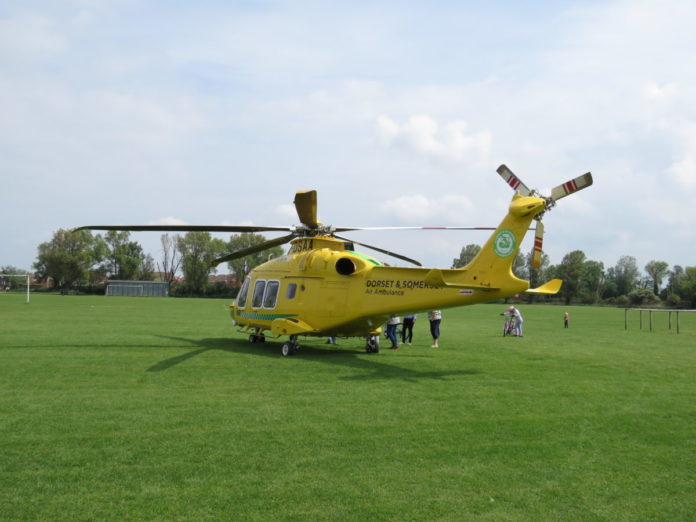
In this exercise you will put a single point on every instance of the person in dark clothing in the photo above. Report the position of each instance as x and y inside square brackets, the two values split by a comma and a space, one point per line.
[407, 329]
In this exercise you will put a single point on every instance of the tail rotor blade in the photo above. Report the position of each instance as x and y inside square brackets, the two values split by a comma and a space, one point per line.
[512, 180]
[306, 206]
[571, 186]
[538, 241]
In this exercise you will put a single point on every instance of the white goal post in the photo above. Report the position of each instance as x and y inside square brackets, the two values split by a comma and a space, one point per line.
[28, 276]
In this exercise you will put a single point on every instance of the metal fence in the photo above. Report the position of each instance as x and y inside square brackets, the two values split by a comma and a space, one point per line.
[650, 316]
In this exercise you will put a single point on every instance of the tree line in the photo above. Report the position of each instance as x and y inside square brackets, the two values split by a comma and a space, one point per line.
[81, 260]
[588, 282]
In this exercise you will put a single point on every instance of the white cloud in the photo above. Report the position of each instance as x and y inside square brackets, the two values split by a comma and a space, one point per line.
[417, 208]
[424, 134]
[287, 212]
[98, 99]
[30, 37]
[684, 171]
[168, 220]
[654, 91]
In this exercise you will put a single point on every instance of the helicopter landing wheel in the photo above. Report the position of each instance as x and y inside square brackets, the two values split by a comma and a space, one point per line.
[372, 345]
[257, 338]
[290, 347]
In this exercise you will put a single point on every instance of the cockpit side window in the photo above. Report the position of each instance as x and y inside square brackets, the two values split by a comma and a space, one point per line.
[271, 295]
[242, 296]
[291, 291]
[257, 299]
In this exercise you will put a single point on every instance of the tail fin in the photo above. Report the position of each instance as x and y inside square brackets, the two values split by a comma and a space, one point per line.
[493, 264]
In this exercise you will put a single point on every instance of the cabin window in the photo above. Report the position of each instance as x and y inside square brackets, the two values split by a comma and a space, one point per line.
[291, 291]
[242, 296]
[257, 299]
[271, 294]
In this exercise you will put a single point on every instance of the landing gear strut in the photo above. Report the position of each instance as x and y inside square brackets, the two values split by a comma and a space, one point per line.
[257, 337]
[290, 347]
[372, 345]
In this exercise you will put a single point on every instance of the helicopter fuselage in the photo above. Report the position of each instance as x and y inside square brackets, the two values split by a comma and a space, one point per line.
[324, 287]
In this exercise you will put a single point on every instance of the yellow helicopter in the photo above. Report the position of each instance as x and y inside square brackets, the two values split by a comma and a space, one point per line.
[324, 287]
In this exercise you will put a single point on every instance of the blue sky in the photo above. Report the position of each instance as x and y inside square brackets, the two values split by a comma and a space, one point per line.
[398, 113]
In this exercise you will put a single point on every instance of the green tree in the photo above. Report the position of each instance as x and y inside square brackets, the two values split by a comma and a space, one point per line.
[198, 249]
[656, 270]
[675, 281]
[12, 282]
[68, 257]
[642, 296]
[624, 275]
[123, 259]
[571, 270]
[468, 253]
[241, 266]
[536, 276]
[593, 282]
[688, 290]
[171, 257]
[519, 266]
[146, 271]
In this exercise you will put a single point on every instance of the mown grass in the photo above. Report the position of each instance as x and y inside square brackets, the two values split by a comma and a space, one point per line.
[139, 409]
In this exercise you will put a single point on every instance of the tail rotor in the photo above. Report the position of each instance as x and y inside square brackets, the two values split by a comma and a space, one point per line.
[538, 242]
[559, 192]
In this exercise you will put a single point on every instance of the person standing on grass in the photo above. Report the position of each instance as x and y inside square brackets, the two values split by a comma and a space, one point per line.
[391, 331]
[517, 317]
[566, 318]
[435, 318]
[407, 329]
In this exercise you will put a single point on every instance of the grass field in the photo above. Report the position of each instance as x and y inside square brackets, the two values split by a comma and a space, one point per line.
[115, 408]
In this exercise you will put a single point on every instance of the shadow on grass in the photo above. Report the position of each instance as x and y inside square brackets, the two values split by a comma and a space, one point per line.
[369, 365]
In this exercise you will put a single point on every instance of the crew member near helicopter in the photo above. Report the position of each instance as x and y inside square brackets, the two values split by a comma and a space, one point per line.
[391, 331]
[407, 329]
[435, 318]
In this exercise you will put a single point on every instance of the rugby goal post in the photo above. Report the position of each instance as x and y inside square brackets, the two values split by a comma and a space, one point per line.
[28, 276]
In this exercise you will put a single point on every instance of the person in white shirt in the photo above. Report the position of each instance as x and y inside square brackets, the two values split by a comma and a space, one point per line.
[518, 320]
[435, 318]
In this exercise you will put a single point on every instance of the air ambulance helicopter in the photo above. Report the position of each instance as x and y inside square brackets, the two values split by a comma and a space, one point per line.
[324, 287]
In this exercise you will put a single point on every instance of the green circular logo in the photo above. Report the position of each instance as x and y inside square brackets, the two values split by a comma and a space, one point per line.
[504, 243]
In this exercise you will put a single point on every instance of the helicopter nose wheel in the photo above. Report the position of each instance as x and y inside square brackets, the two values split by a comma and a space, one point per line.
[289, 347]
[372, 345]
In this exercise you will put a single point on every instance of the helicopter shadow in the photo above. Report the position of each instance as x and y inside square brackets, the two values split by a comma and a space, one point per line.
[367, 366]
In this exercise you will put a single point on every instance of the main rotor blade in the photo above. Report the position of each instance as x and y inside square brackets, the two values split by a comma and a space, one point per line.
[253, 249]
[345, 229]
[571, 186]
[387, 252]
[185, 228]
[513, 181]
[538, 242]
[306, 206]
